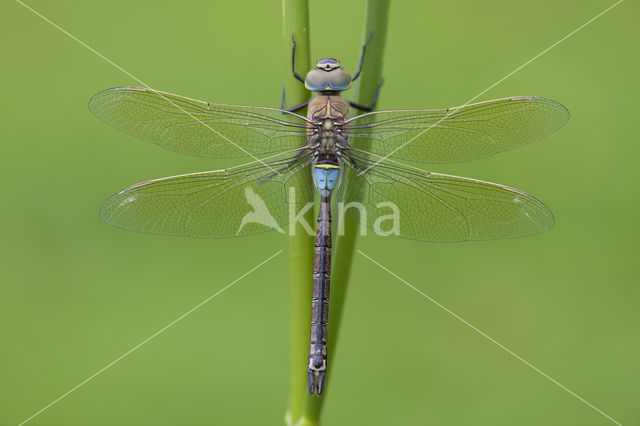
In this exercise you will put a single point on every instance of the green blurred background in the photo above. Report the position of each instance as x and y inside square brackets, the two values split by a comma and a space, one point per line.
[76, 293]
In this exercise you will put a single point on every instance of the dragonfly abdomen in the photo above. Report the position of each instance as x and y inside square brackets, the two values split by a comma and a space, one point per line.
[320, 300]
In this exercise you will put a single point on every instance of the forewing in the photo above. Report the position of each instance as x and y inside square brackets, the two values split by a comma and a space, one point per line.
[438, 207]
[460, 133]
[241, 201]
[196, 127]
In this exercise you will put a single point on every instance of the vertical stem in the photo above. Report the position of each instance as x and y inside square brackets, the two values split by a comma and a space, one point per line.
[376, 21]
[370, 78]
[295, 21]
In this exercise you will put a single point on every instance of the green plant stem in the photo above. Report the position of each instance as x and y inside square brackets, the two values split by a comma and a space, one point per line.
[295, 21]
[376, 21]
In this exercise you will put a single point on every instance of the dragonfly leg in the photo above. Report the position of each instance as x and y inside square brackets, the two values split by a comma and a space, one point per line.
[294, 108]
[293, 60]
[364, 47]
[373, 101]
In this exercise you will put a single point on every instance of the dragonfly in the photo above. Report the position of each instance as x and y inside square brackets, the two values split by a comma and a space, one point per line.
[329, 155]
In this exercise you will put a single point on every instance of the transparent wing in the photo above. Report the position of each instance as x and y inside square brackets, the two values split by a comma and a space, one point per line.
[243, 200]
[460, 133]
[437, 207]
[196, 127]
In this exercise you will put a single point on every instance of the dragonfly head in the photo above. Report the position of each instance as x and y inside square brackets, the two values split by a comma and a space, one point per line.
[328, 75]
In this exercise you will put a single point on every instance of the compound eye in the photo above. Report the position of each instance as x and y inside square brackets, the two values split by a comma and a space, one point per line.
[339, 79]
[316, 80]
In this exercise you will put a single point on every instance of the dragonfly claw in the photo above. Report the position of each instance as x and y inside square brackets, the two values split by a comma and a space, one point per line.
[315, 381]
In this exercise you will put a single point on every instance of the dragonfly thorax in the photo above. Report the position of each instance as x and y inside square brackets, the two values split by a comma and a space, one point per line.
[328, 76]
[326, 139]
[328, 107]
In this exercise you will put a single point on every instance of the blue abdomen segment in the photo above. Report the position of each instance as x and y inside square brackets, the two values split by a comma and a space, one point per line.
[325, 177]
